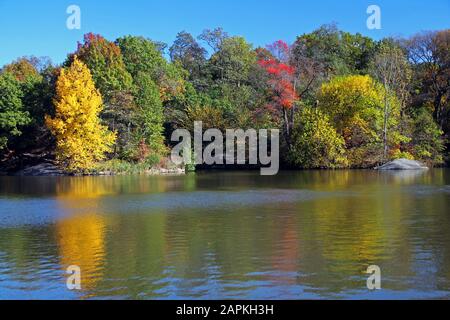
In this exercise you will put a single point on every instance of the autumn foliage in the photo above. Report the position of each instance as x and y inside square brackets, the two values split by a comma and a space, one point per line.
[283, 93]
[104, 60]
[80, 137]
[339, 99]
[281, 75]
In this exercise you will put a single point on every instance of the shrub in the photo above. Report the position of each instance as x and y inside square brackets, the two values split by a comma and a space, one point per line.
[315, 143]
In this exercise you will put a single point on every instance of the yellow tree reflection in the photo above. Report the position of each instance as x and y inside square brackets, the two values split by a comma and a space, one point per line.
[81, 236]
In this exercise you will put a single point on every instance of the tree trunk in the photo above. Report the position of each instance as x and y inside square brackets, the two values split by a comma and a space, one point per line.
[287, 128]
[437, 108]
[385, 123]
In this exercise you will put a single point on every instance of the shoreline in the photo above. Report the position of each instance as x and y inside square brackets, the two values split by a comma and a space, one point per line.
[49, 169]
[52, 171]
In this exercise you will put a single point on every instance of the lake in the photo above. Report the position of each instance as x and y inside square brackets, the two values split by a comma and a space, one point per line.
[221, 235]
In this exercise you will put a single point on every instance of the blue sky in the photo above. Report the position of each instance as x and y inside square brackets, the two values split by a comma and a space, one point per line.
[39, 27]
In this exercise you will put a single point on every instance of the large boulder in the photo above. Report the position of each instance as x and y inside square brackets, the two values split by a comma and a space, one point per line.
[402, 164]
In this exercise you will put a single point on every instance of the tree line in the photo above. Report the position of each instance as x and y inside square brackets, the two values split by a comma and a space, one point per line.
[340, 99]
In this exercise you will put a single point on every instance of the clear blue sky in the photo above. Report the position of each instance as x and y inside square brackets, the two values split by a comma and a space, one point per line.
[39, 27]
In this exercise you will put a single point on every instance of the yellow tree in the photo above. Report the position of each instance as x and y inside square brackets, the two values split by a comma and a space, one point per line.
[81, 139]
[356, 107]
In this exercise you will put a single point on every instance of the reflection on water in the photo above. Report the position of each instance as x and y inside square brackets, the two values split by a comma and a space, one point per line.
[81, 242]
[406, 176]
[308, 234]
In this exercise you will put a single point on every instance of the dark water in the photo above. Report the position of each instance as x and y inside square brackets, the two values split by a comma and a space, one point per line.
[297, 235]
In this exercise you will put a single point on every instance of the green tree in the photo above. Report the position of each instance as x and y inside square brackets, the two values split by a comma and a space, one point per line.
[426, 138]
[315, 143]
[358, 52]
[324, 48]
[37, 80]
[192, 57]
[237, 85]
[119, 114]
[142, 55]
[105, 61]
[326, 52]
[149, 116]
[233, 61]
[12, 114]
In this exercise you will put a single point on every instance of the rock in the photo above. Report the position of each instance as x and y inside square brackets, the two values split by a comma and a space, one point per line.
[105, 173]
[402, 164]
[180, 171]
[42, 169]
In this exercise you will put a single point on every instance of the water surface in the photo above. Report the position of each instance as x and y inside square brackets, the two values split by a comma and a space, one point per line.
[219, 235]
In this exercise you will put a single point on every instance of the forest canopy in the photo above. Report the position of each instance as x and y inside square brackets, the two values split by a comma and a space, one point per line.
[339, 99]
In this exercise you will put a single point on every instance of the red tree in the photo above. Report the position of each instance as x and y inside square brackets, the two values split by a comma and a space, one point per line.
[281, 83]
